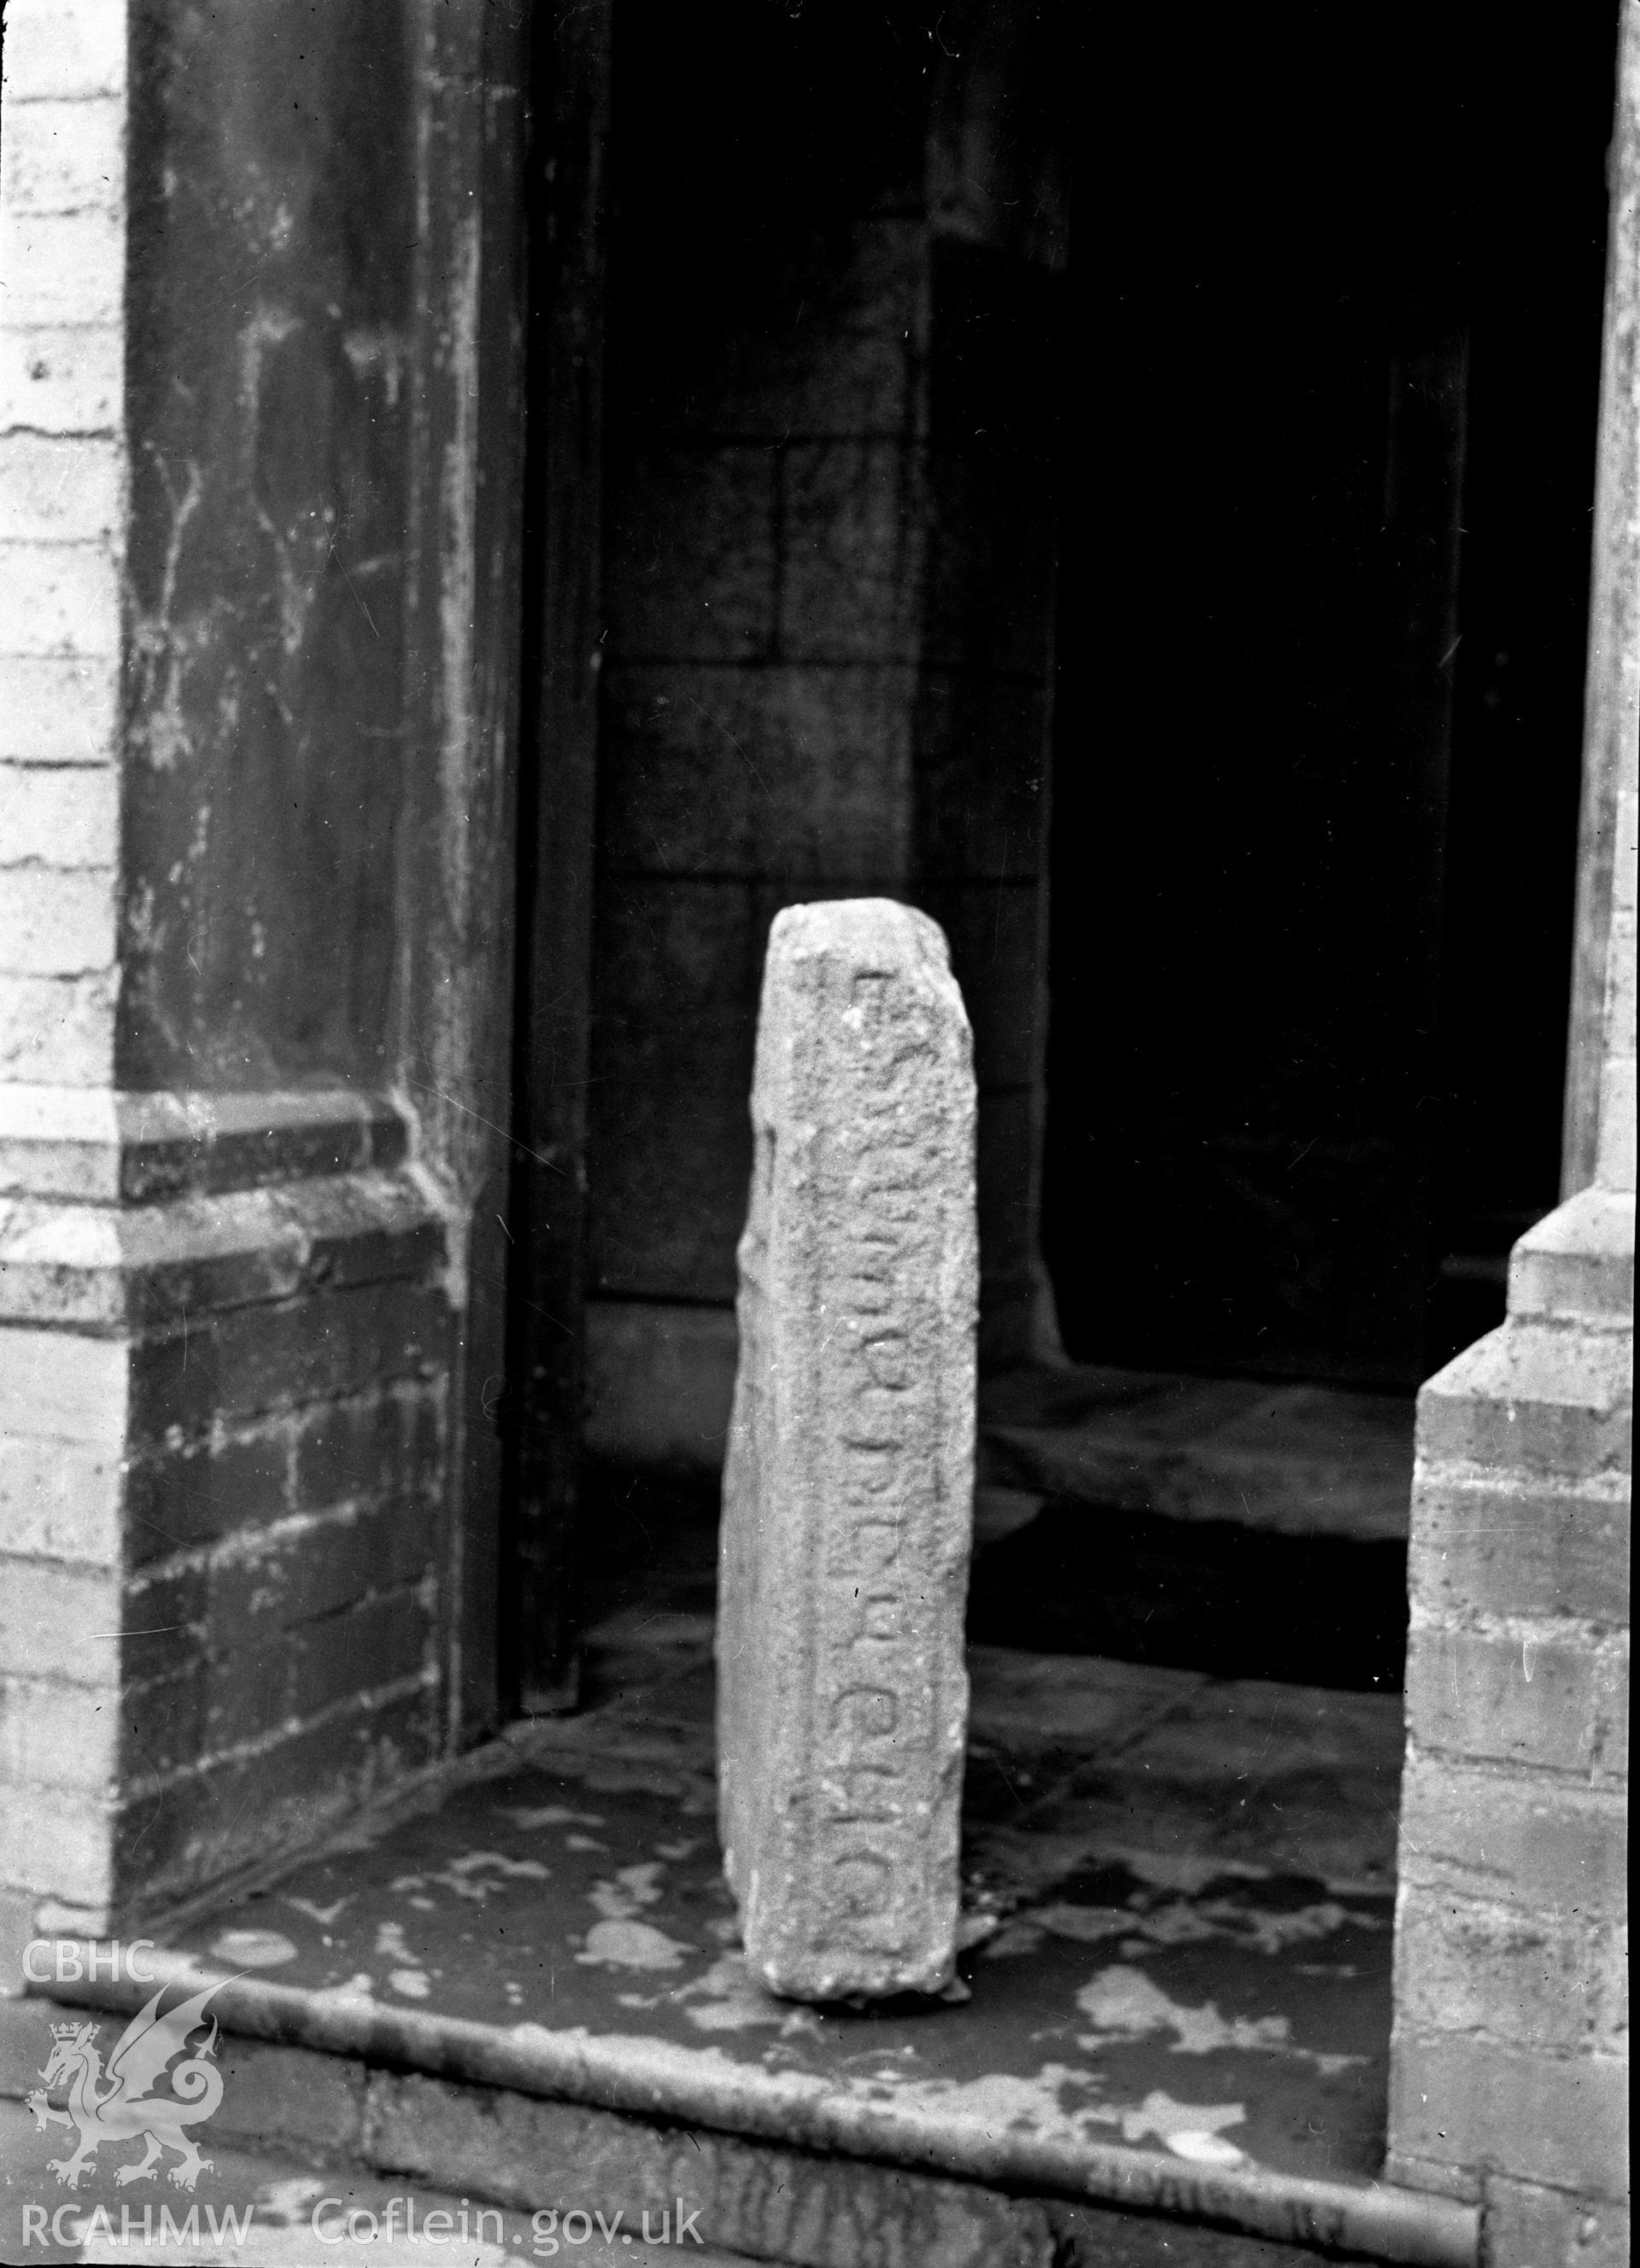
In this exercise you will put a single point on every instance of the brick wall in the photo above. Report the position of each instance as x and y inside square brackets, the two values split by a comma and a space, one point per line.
[62, 479]
[1510, 2064]
[62, 484]
[222, 1524]
[1511, 2052]
[239, 1316]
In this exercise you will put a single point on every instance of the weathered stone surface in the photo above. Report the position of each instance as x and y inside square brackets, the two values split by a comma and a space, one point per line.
[848, 1487]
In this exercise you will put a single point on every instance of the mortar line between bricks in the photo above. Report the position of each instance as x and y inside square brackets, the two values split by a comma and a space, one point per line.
[21, 99]
[263, 1425]
[68, 1560]
[58, 764]
[1531, 1775]
[264, 1545]
[77, 325]
[262, 1744]
[259, 1540]
[34, 862]
[104, 545]
[87, 210]
[424, 1788]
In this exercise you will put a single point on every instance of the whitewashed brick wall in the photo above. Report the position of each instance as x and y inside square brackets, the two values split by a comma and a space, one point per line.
[1615, 1169]
[62, 509]
[62, 486]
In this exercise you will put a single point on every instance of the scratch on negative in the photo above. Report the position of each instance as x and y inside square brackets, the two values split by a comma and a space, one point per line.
[422, 1089]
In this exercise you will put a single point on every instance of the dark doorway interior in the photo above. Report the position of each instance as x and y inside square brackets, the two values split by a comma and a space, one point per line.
[1306, 411]
[1317, 753]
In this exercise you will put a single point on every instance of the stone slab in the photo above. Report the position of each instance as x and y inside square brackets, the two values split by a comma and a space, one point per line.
[1289, 1460]
[848, 1486]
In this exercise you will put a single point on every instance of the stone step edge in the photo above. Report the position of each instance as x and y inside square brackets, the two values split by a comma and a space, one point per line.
[1200, 1484]
[652, 2080]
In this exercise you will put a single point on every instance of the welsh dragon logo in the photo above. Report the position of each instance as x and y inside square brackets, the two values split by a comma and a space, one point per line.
[117, 2106]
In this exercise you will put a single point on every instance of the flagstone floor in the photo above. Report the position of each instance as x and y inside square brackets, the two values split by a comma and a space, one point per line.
[1177, 1907]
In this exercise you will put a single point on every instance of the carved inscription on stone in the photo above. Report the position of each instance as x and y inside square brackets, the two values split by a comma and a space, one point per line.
[848, 1488]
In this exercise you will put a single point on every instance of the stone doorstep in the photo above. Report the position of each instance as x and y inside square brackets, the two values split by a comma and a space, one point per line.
[491, 2107]
[527, 2126]
[1296, 1460]
[266, 2201]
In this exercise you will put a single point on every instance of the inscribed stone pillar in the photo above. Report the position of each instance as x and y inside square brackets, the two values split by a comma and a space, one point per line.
[848, 1490]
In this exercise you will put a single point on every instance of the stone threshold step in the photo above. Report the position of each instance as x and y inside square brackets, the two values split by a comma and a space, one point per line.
[1178, 1894]
[778, 2165]
[259, 2208]
[1301, 1461]
[1228, 1524]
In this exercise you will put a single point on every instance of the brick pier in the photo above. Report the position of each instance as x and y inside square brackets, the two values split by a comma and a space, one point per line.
[1509, 2065]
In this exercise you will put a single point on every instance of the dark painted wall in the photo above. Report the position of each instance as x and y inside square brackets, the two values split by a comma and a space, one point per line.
[272, 239]
[327, 309]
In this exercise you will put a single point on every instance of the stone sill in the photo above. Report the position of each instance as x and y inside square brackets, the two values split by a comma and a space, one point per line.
[1373, 2222]
[1288, 1459]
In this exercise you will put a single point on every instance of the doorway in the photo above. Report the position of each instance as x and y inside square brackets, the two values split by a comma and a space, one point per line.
[1322, 620]
[1319, 493]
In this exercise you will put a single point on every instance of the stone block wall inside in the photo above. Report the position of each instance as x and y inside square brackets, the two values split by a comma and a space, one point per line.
[829, 596]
